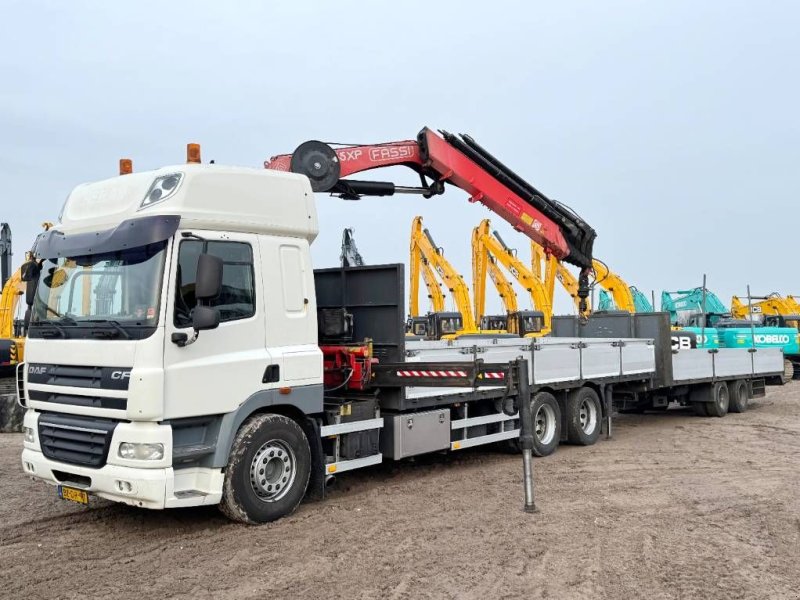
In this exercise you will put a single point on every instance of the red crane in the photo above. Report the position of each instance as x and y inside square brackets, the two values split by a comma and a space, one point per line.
[462, 162]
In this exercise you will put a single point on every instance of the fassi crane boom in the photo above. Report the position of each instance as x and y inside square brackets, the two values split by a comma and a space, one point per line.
[462, 162]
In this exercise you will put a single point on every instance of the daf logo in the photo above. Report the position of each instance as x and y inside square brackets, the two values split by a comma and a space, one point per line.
[37, 370]
[120, 374]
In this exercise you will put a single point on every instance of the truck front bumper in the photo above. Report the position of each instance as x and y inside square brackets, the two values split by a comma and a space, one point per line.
[138, 487]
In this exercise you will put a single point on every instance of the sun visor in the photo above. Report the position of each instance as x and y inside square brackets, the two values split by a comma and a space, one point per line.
[131, 233]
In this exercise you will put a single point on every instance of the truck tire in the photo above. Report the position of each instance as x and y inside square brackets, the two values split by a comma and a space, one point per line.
[718, 407]
[546, 423]
[584, 416]
[268, 470]
[740, 396]
[700, 396]
[546, 426]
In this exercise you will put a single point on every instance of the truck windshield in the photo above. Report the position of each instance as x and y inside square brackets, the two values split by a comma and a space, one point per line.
[117, 292]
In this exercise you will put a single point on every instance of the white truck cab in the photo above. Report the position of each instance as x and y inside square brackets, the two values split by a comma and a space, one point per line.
[120, 402]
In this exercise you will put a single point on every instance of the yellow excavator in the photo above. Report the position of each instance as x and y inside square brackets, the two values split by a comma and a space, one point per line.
[488, 252]
[622, 296]
[12, 328]
[427, 259]
[772, 310]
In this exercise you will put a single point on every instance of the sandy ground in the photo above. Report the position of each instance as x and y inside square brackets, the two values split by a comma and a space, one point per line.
[675, 506]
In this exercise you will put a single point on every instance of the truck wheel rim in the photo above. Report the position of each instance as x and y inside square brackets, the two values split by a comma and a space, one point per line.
[587, 413]
[545, 424]
[273, 470]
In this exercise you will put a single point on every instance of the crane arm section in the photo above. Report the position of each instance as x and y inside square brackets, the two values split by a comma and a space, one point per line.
[462, 162]
[423, 244]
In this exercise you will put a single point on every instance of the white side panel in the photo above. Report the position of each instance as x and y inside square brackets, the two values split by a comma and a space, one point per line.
[556, 362]
[600, 359]
[730, 362]
[692, 364]
[767, 360]
[638, 356]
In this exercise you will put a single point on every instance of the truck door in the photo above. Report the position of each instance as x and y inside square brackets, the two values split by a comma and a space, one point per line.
[226, 365]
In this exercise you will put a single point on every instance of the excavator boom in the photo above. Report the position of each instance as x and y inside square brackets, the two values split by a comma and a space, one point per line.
[540, 291]
[424, 254]
[460, 161]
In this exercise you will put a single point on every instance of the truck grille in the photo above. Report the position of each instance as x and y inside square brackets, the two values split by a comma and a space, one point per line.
[76, 440]
[109, 378]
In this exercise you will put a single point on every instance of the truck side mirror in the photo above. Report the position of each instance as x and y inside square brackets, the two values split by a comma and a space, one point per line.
[208, 283]
[204, 318]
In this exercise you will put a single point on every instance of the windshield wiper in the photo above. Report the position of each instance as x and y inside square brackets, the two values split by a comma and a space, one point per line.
[114, 324]
[56, 328]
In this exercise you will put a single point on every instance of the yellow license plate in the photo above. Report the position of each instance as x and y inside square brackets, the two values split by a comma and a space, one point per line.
[73, 495]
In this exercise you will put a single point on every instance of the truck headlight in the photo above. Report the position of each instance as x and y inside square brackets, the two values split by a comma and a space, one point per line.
[143, 451]
[29, 437]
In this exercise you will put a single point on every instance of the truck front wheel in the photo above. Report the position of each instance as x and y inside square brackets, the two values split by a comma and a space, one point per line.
[584, 416]
[268, 470]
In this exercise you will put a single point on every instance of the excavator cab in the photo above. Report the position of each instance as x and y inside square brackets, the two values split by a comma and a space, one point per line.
[792, 321]
[526, 323]
[494, 323]
[417, 327]
[444, 324]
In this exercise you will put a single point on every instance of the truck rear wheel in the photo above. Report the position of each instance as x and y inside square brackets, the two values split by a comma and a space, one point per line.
[740, 396]
[268, 470]
[720, 400]
[584, 416]
[546, 424]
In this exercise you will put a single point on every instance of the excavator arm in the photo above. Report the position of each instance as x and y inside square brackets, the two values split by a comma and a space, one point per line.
[483, 264]
[614, 285]
[350, 256]
[538, 289]
[462, 162]
[422, 244]
[12, 290]
[419, 267]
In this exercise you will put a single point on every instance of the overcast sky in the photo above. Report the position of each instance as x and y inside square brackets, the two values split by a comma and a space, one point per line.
[671, 127]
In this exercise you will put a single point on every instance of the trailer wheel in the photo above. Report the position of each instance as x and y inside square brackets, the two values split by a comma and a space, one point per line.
[718, 407]
[700, 397]
[584, 416]
[268, 470]
[740, 396]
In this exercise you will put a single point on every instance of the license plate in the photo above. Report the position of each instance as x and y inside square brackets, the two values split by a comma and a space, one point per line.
[73, 495]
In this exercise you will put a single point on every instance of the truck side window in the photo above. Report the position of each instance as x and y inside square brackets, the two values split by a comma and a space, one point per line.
[237, 299]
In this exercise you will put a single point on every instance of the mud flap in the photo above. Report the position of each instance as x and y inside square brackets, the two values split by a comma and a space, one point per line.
[316, 481]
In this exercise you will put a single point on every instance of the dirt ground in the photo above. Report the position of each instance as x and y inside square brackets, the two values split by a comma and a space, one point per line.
[675, 506]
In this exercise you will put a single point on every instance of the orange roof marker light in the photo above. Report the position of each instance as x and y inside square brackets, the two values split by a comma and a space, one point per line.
[125, 166]
[193, 153]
